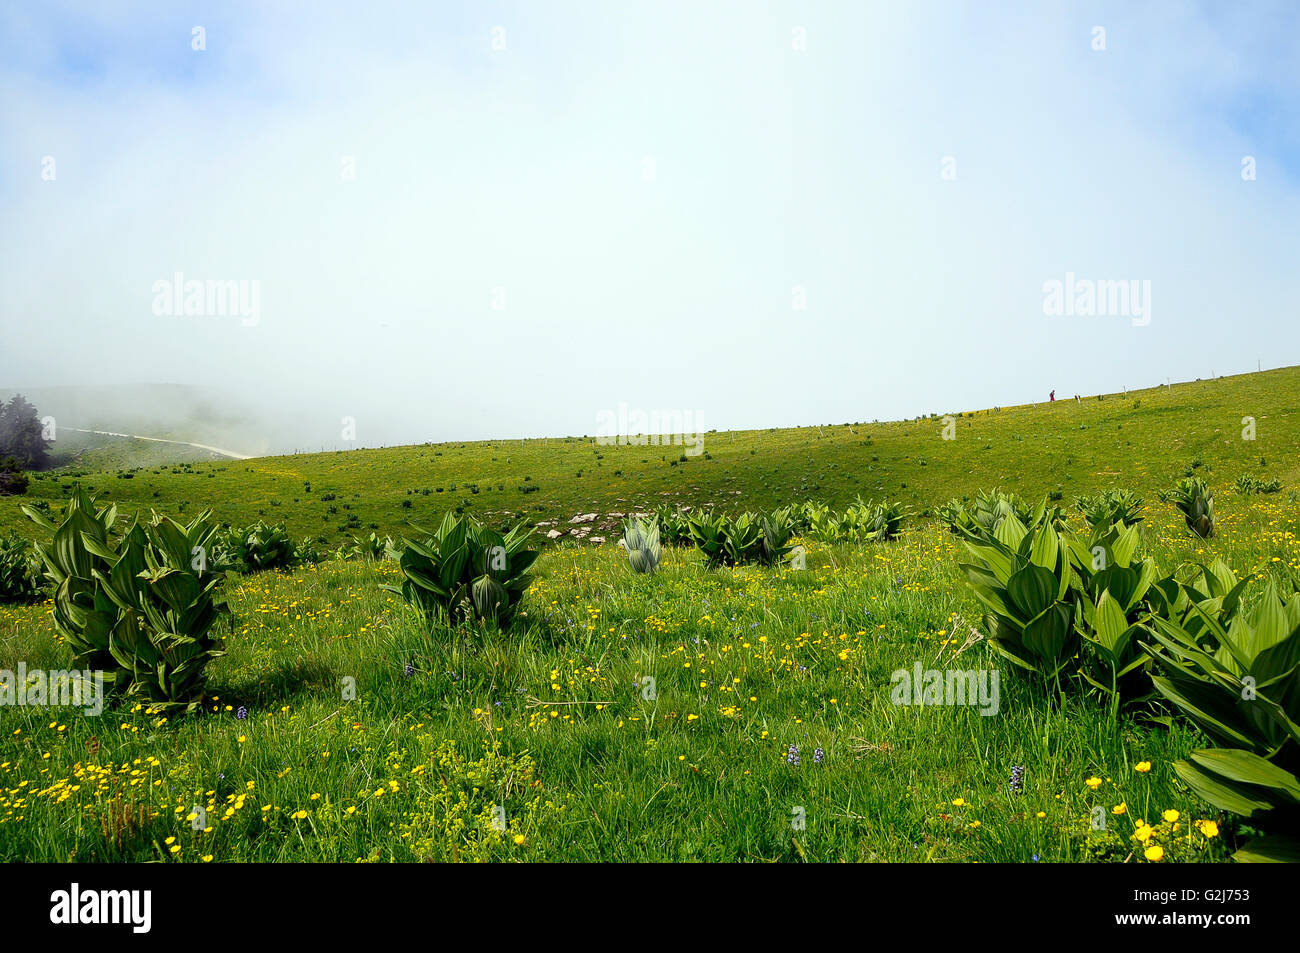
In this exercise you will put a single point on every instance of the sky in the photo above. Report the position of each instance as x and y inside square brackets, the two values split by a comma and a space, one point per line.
[466, 220]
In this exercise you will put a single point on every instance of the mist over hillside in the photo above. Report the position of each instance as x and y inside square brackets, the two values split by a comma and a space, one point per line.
[245, 423]
[165, 411]
[249, 424]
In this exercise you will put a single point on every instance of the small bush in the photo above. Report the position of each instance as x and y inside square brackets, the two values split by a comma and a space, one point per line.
[465, 571]
[141, 608]
[1109, 507]
[255, 548]
[20, 572]
[370, 549]
[13, 481]
[746, 538]
[1249, 484]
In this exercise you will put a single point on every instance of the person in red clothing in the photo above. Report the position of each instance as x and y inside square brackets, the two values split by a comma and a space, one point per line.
[1052, 396]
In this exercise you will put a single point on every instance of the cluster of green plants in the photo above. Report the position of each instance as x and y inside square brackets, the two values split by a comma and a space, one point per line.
[862, 521]
[1086, 611]
[762, 538]
[1022, 576]
[1236, 676]
[808, 515]
[20, 571]
[306, 552]
[983, 514]
[1061, 603]
[674, 525]
[371, 549]
[261, 546]
[1109, 507]
[466, 571]
[142, 607]
[1252, 484]
[1110, 584]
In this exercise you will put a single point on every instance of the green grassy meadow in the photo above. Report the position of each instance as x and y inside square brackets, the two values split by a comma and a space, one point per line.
[1142, 441]
[369, 735]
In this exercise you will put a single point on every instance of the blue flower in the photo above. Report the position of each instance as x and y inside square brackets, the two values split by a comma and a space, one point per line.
[793, 756]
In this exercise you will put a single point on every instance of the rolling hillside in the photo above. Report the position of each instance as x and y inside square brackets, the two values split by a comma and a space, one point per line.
[1142, 440]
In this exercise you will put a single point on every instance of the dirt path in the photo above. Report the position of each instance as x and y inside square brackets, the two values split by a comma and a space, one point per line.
[135, 436]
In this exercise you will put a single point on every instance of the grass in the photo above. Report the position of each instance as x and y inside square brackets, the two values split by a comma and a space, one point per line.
[1143, 440]
[371, 735]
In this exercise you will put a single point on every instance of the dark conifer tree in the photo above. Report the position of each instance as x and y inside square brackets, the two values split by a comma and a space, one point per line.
[21, 434]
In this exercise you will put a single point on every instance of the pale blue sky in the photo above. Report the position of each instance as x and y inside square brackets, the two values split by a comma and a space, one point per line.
[523, 169]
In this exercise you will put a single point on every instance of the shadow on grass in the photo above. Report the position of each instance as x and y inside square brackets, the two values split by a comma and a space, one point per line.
[289, 680]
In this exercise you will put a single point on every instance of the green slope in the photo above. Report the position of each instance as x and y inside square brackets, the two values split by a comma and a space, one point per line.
[1142, 440]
